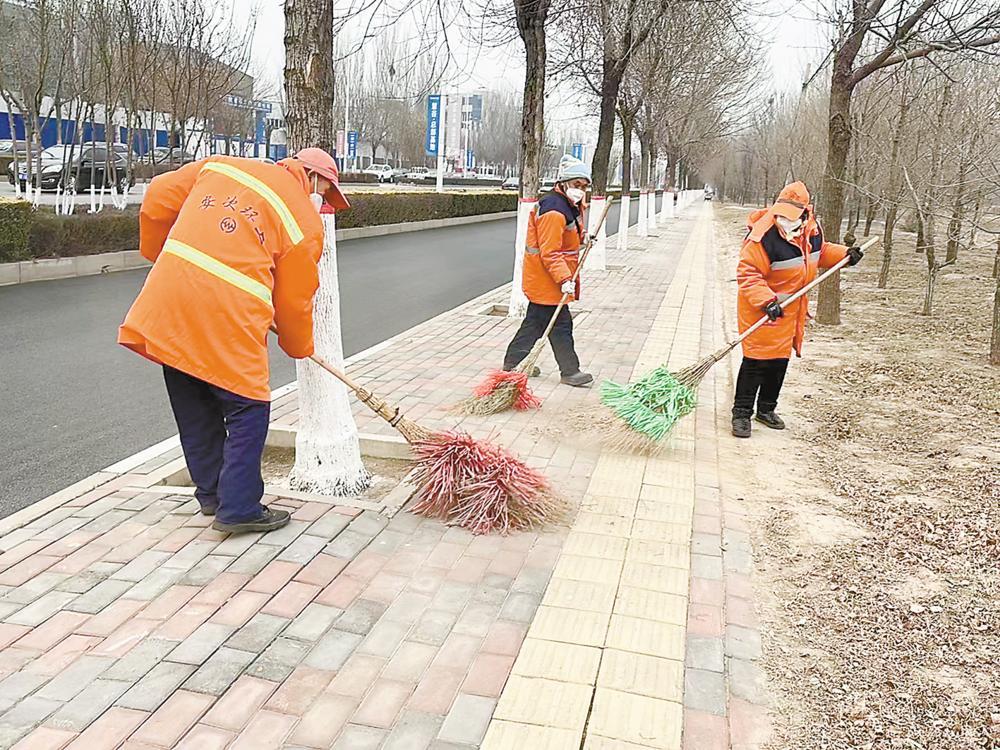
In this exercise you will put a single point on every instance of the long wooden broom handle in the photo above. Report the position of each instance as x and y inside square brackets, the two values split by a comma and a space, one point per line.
[804, 290]
[576, 274]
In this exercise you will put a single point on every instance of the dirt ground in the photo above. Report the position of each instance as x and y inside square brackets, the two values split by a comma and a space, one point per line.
[386, 473]
[876, 515]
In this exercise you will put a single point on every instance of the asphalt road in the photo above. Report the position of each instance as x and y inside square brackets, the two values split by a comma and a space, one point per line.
[72, 401]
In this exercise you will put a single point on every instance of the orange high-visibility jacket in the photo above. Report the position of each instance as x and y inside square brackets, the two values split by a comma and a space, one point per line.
[552, 251]
[771, 265]
[235, 245]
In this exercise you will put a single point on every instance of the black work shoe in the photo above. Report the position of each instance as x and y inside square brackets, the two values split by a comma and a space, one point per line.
[578, 380]
[741, 427]
[271, 520]
[209, 510]
[770, 419]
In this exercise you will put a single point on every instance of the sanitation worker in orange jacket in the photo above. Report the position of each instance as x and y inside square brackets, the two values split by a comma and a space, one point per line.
[552, 254]
[235, 245]
[781, 254]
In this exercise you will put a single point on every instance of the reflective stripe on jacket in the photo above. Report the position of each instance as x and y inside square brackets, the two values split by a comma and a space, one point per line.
[235, 245]
[555, 235]
[774, 266]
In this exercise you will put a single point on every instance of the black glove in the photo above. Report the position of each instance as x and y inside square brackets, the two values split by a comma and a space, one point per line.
[855, 254]
[773, 310]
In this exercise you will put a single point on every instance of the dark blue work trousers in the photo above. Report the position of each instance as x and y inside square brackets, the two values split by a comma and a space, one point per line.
[222, 435]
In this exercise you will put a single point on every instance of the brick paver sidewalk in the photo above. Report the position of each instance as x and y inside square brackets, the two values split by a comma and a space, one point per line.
[125, 621]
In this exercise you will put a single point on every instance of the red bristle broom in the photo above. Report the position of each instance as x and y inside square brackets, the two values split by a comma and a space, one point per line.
[502, 390]
[476, 485]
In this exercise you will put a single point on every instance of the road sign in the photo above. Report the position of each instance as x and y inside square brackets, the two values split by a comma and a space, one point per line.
[433, 124]
[341, 143]
[476, 100]
[470, 158]
[352, 144]
[578, 151]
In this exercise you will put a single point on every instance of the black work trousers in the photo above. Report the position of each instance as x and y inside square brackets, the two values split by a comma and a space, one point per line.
[532, 328]
[759, 380]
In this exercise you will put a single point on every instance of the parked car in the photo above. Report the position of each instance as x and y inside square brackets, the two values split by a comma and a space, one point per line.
[383, 172]
[511, 183]
[419, 174]
[7, 149]
[709, 193]
[164, 155]
[399, 175]
[75, 165]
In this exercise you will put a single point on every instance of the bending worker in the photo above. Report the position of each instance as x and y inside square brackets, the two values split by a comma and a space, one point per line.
[781, 254]
[235, 245]
[552, 254]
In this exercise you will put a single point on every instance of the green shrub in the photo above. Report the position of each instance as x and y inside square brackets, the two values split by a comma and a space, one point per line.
[84, 234]
[376, 209]
[15, 225]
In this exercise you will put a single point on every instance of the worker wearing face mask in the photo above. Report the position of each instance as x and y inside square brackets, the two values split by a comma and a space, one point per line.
[552, 254]
[782, 252]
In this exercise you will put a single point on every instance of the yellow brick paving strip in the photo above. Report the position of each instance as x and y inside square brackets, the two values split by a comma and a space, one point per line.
[602, 666]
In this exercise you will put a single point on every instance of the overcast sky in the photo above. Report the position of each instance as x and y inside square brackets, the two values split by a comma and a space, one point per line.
[797, 42]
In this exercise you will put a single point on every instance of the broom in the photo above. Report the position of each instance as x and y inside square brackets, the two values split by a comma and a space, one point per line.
[476, 485]
[650, 407]
[502, 390]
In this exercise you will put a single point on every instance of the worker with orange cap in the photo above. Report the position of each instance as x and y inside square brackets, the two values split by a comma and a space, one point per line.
[235, 245]
[782, 252]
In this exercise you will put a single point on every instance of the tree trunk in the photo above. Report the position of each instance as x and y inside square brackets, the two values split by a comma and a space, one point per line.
[832, 205]
[995, 338]
[871, 209]
[532, 16]
[976, 216]
[626, 155]
[894, 191]
[996, 261]
[327, 450]
[890, 226]
[309, 74]
[958, 208]
[611, 81]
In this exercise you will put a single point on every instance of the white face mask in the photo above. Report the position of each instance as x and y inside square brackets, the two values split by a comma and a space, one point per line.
[790, 228]
[575, 194]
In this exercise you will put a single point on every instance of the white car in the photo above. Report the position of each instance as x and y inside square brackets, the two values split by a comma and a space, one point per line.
[381, 171]
[419, 173]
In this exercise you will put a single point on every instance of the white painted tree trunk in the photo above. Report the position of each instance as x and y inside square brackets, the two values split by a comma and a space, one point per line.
[327, 450]
[518, 305]
[667, 209]
[642, 226]
[623, 217]
[597, 258]
[651, 210]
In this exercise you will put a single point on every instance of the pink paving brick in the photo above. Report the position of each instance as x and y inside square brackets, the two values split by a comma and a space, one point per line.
[169, 602]
[436, 691]
[356, 676]
[381, 706]
[69, 543]
[488, 674]
[273, 577]
[57, 658]
[543, 556]
[174, 718]
[239, 703]
[445, 555]
[125, 638]
[749, 725]
[468, 569]
[291, 600]
[427, 580]
[739, 585]
[385, 587]
[310, 512]
[222, 587]
[238, 610]
[341, 592]
[10, 633]
[741, 612]
[458, 652]
[187, 620]
[177, 539]
[707, 591]
[110, 730]
[406, 561]
[299, 690]
[505, 638]
[705, 619]
[45, 738]
[111, 618]
[323, 721]
[21, 552]
[53, 630]
[409, 662]
[321, 570]
[704, 731]
[206, 738]
[266, 731]
[366, 565]
[507, 563]
[27, 569]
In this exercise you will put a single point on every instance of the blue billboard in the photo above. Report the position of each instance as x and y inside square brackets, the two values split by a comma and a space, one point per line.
[433, 124]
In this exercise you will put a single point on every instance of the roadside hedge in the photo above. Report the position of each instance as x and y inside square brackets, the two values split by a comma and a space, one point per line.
[26, 233]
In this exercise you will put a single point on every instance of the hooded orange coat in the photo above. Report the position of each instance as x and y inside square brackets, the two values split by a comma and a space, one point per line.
[770, 266]
[235, 245]
[552, 253]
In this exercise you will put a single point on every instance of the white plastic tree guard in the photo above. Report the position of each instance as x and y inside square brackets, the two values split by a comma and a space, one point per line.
[518, 305]
[642, 225]
[597, 259]
[623, 217]
[327, 450]
[651, 211]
